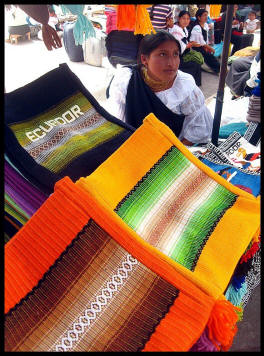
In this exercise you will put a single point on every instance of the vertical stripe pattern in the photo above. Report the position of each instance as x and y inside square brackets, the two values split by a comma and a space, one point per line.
[176, 207]
[96, 297]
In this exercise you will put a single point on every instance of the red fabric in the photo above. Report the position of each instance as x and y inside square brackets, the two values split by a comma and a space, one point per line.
[237, 33]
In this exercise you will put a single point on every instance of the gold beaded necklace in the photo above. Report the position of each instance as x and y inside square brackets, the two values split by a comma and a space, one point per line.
[155, 85]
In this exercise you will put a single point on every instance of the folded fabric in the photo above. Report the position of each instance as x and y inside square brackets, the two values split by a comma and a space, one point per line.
[253, 113]
[241, 152]
[253, 133]
[85, 281]
[227, 130]
[178, 204]
[240, 178]
[21, 191]
[55, 128]
[247, 51]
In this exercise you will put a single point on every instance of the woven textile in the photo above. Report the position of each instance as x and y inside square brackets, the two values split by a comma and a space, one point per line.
[87, 282]
[54, 127]
[178, 204]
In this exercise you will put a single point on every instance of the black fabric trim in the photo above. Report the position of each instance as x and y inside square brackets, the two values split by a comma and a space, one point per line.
[30, 100]
[141, 101]
[142, 179]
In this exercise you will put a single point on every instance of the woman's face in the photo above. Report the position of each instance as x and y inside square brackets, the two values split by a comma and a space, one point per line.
[163, 62]
[203, 17]
[184, 20]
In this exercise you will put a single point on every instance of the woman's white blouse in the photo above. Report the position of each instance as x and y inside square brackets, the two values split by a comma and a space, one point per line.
[179, 33]
[197, 36]
[184, 97]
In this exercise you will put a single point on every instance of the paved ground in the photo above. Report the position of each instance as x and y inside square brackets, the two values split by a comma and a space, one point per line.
[29, 60]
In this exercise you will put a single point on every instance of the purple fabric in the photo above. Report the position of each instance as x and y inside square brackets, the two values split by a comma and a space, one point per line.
[203, 344]
[25, 195]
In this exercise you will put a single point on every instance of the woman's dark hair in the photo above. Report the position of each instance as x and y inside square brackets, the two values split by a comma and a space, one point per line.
[199, 13]
[150, 42]
[184, 12]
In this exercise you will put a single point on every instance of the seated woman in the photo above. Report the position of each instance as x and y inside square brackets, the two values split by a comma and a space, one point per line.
[180, 32]
[238, 39]
[157, 85]
[242, 75]
[18, 24]
[199, 33]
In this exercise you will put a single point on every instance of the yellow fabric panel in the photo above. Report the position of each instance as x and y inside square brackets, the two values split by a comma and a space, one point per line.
[112, 181]
[215, 10]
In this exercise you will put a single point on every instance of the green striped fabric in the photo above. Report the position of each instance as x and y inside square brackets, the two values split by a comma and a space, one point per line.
[64, 132]
[175, 207]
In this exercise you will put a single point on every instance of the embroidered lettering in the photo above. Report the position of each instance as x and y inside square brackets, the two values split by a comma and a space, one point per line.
[35, 132]
[32, 138]
[67, 117]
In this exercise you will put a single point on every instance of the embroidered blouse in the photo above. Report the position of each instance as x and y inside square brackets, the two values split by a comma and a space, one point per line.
[184, 97]
[197, 35]
[181, 34]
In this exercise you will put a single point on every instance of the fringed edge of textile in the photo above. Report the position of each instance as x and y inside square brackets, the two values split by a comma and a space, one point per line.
[222, 324]
[221, 328]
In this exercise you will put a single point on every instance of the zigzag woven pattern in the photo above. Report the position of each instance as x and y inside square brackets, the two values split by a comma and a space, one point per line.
[175, 207]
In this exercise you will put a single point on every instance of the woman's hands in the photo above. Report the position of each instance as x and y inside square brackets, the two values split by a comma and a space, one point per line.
[186, 142]
[193, 44]
[209, 49]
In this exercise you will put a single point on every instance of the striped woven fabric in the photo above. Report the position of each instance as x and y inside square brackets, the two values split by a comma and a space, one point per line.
[60, 135]
[85, 281]
[55, 128]
[178, 204]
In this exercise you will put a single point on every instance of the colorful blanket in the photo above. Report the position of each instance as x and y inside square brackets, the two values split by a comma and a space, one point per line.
[85, 281]
[178, 204]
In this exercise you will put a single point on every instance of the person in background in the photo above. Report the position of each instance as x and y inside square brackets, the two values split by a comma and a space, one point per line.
[238, 39]
[180, 32]
[160, 16]
[242, 75]
[243, 11]
[199, 33]
[18, 24]
[156, 85]
[252, 23]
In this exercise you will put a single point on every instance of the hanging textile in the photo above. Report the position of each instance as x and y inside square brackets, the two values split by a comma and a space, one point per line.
[134, 17]
[215, 10]
[83, 26]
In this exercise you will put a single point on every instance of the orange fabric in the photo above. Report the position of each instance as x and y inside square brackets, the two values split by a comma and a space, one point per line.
[126, 17]
[38, 244]
[137, 155]
[69, 209]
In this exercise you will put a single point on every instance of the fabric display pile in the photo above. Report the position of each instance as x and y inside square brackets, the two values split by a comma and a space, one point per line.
[124, 245]
[237, 159]
[253, 113]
